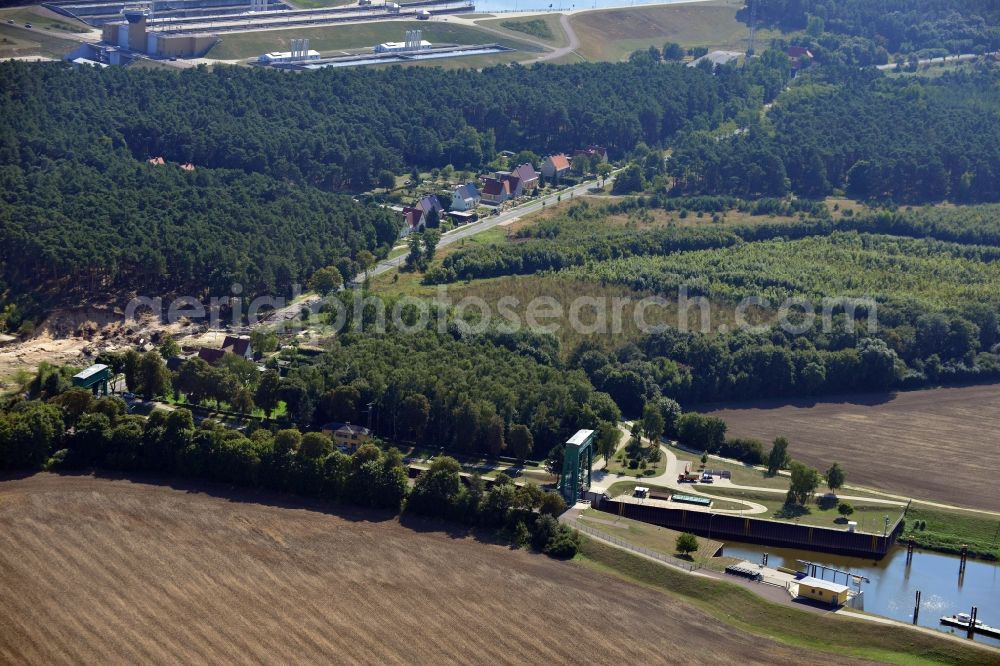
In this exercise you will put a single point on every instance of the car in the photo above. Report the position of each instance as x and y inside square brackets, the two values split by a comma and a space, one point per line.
[10, 21]
[407, 182]
[27, 25]
[128, 397]
[707, 478]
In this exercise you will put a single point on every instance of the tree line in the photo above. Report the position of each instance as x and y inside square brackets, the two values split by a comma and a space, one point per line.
[958, 26]
[73, 430]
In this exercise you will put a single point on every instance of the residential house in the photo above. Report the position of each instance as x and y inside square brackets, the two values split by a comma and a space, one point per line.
[527, 175]
[555, 166]
[230, 345]
[465, 197]
[345, 434]
[799, 57]
[416, 215]
[514, 185]
[495, 191]
[592, 152]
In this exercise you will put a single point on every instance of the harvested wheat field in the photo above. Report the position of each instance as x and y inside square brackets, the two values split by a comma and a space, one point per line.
[111, 571]
[939, 444]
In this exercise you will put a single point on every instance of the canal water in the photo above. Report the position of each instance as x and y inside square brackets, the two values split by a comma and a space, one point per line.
[894, 585]
[501, 6]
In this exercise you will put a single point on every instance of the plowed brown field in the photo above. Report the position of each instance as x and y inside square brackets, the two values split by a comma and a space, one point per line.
[110, 571]
[938, 444]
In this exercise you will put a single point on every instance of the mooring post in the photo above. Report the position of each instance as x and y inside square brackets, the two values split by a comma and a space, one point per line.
[961, 563]
[972, 622]
[909, 552]
[916, 608]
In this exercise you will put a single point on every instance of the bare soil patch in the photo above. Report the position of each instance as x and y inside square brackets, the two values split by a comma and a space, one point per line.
[937, 444]
[111, 571]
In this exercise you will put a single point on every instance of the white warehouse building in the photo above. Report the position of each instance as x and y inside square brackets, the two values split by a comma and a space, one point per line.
[414, 42]
[300, 51]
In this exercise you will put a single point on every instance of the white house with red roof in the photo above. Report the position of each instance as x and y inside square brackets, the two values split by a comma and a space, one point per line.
[555, 166]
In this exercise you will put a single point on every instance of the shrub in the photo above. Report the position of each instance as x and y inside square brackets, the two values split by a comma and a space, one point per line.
[564, 544]
[686, 544]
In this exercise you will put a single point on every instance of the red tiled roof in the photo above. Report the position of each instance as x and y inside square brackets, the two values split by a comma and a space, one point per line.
[493, 187]
[412, 216]
[559, 161]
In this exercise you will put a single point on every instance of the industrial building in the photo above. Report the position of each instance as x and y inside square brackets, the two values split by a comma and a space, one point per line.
[414, 42]
[300, 53]
[133, 34]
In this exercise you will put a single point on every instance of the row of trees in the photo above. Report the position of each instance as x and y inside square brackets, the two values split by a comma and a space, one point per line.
[74, 430]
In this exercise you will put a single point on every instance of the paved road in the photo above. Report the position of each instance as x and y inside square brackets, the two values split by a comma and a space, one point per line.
[602, 480]
[482, 225]
[942, 59]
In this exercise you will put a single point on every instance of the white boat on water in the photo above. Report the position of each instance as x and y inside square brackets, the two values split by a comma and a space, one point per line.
[962, 620]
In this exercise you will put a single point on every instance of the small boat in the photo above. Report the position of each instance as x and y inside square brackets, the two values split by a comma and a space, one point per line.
[961, 621]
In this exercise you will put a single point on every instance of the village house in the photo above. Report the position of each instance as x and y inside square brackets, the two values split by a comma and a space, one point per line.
[231, 345]
[417, 214]
[495, 191]
[347, 435]
[465, 197]
[799, 57]
[592, 152]
[555, 166]
[527, 175]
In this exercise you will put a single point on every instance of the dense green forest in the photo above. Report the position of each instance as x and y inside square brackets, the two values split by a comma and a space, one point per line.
[958, 26]
[120, 225]
[463, 392]
[337, 128]
[910, 140]
[82, 213]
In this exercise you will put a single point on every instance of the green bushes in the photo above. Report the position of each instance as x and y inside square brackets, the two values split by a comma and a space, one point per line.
[525, 514]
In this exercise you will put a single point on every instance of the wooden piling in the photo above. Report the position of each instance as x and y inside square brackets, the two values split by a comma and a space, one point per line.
[972, 622]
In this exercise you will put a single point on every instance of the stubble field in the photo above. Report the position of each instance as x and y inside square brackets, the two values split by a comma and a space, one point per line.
[110, 571]
[939, 444]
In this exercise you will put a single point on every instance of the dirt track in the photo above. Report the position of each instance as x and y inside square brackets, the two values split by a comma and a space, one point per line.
[938, 444]
[102, 571]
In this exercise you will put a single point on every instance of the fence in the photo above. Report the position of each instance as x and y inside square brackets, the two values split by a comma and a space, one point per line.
[666, 559]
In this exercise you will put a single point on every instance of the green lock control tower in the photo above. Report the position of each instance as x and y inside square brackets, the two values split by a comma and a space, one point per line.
[95, 378]
[577, 461]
